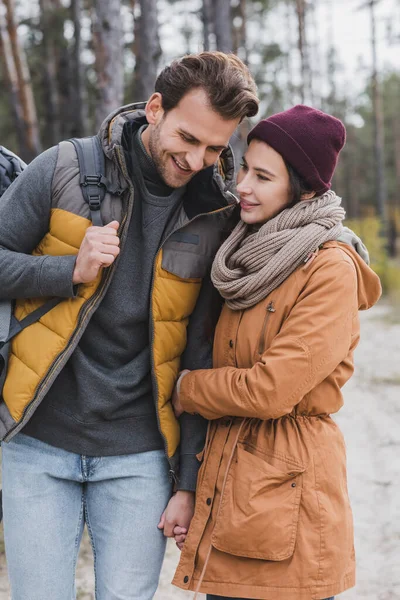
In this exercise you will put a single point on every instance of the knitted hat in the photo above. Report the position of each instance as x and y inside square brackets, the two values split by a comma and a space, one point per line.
[308, 139]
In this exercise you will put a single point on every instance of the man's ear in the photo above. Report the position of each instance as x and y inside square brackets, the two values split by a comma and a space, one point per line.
[308, 195]
[154, 109]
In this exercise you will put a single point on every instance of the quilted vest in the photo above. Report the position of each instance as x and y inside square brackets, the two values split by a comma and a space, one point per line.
[40, 351]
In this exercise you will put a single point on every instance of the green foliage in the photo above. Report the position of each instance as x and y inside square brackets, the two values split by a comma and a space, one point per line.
[370, 231]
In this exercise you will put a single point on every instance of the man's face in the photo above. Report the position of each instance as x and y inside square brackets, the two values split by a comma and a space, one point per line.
[186, 139]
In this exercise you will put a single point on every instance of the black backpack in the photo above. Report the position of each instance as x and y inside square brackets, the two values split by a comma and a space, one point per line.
[94, 186]
[10, 167]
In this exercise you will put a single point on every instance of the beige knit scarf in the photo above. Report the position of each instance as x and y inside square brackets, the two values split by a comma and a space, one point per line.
[249, 265]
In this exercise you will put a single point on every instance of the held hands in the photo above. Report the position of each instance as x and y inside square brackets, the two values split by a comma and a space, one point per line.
[176, 518]
[176, 405]
[99, 248]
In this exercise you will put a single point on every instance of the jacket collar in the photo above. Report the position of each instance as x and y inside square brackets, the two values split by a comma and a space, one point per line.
[212, 188]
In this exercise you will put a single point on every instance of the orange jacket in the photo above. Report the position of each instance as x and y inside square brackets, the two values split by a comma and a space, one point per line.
[273, 519]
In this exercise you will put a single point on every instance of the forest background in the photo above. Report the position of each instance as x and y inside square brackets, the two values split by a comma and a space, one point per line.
[66, 64]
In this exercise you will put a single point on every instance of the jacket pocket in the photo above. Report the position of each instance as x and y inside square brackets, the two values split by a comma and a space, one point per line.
[263, 334]
[260, 506]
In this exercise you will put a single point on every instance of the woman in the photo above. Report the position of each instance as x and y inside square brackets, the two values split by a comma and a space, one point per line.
[273, 519]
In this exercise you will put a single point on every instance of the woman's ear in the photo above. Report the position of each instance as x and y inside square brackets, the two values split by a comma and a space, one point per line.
[308, 195]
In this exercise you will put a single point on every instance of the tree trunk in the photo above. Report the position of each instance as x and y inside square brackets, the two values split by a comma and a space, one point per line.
[301, 13]
[240, 32]
[11, 78]
[330, 101]
[27, 100]
[378, 124]
[223, 25]
[148, 50]
[65, 79]
[206, 16]
[108, 47]
[396, 129]
[59, 83]
[50, 88]
[78, 97]
[290, 45]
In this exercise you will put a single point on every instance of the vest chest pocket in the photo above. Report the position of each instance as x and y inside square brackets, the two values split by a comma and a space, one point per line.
[187, 256]
[259, 507]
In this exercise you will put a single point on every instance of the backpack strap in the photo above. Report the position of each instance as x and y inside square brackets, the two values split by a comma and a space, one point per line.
[10, 167]
[94, 185]
[5, 320]
[92, 179]
[17, 326]
[6, 165]
[10, 327]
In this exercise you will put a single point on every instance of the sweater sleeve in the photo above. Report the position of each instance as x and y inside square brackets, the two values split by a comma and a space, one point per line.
[314, 339]
[197, 355]
[24, 220]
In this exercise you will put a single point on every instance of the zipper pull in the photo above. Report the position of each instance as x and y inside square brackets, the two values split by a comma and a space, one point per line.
[173, 476]
[270, 307]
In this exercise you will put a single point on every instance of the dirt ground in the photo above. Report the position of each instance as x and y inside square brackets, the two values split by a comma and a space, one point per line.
[370, 421]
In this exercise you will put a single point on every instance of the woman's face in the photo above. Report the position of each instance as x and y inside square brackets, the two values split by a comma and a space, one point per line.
[262, 183]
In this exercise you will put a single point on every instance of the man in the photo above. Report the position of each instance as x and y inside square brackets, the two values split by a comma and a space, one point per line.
[86, 411]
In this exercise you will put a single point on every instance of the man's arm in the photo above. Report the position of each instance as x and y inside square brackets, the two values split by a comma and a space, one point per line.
[197, 355]
[24, 220]
[200, 336]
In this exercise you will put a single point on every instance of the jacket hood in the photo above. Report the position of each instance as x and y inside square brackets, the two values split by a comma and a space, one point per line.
[221, 176]
[369, 285]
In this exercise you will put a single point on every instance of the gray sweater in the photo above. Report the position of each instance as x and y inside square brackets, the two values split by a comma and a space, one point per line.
[102, 402]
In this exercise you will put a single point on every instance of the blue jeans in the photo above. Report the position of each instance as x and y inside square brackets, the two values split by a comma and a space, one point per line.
[48, 496]
[226, 598]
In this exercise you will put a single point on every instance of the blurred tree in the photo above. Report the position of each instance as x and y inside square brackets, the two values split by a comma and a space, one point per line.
[79, 98]
[20, 83]
[379, 140]
[108, 49]
[148, 50]
[10, 82]
[223, 25]
[305, 86]
[207, 18]
[49, 26]
[239, 13]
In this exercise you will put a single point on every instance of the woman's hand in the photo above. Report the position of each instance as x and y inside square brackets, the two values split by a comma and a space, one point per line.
[180, 534]
[176, 405]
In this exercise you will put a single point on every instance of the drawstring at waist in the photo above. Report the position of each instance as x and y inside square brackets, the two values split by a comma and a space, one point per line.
[219, 507]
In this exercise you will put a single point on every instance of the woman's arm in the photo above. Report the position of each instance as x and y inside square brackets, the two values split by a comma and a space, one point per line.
[314, 339]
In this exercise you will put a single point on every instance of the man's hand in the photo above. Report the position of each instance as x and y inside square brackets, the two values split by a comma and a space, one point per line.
[176, 405]
[99, 248]
[178, 514]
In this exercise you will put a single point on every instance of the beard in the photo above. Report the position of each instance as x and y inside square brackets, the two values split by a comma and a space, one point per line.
[155, 150]
[161, 160]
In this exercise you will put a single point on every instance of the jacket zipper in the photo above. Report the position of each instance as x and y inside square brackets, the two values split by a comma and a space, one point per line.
[58, 363]
[172, 474]
[261, 345]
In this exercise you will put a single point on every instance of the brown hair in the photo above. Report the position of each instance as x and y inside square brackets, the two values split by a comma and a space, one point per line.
[297, 184]
[225, 78]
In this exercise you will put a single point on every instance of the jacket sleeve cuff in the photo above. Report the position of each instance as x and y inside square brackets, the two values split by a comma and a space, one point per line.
[55, 278]
[189, 468]
[186, 392]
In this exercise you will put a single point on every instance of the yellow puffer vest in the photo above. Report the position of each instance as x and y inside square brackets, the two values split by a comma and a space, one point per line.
[40, 351]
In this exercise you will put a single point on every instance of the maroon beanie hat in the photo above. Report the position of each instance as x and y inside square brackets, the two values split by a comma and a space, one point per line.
[308, 139]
